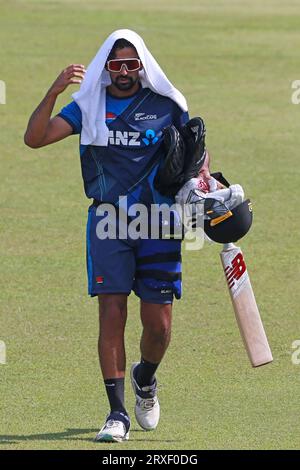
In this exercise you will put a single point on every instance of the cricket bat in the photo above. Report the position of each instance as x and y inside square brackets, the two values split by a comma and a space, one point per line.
[245, 307]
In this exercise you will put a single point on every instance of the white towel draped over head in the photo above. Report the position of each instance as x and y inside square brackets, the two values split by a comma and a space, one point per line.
[91, 96]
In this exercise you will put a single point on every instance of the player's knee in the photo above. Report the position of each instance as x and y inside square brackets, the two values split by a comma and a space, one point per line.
[160, 334]
[112, 312]
[159, 327]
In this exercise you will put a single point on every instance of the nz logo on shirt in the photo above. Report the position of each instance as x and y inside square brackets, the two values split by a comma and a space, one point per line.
[132, 139]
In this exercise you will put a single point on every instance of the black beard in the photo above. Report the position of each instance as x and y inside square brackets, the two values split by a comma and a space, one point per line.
[124, 86]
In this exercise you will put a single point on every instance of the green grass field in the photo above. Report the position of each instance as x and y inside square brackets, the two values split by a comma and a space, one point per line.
[235, 62]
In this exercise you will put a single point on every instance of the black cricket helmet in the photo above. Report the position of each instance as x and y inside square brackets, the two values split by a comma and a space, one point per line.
[230, 226]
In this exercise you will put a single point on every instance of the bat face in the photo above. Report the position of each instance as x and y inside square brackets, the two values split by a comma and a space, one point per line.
[245, 307]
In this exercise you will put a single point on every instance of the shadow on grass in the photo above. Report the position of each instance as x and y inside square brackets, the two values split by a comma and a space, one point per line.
[71, 435]
[68, 434]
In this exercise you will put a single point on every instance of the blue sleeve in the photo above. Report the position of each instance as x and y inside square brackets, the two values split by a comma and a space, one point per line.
[181, 118]
[72, 115]
[184, 118]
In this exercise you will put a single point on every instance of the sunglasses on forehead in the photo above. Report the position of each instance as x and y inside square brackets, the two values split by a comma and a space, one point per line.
[115, 65]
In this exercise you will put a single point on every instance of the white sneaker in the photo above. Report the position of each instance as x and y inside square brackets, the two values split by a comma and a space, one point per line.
[147, 409]
[114, 429]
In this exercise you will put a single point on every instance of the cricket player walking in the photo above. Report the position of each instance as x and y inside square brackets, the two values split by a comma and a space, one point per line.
[137, 145]
[124, 102]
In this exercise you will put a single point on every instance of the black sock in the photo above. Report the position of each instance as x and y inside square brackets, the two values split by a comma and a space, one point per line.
[146, 373]
[115, 394]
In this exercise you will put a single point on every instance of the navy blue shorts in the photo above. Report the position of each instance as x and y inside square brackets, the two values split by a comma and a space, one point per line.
[151, 268]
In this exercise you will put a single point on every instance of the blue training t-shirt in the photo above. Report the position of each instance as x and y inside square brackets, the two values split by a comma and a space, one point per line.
[128, 164]
[114, 106]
